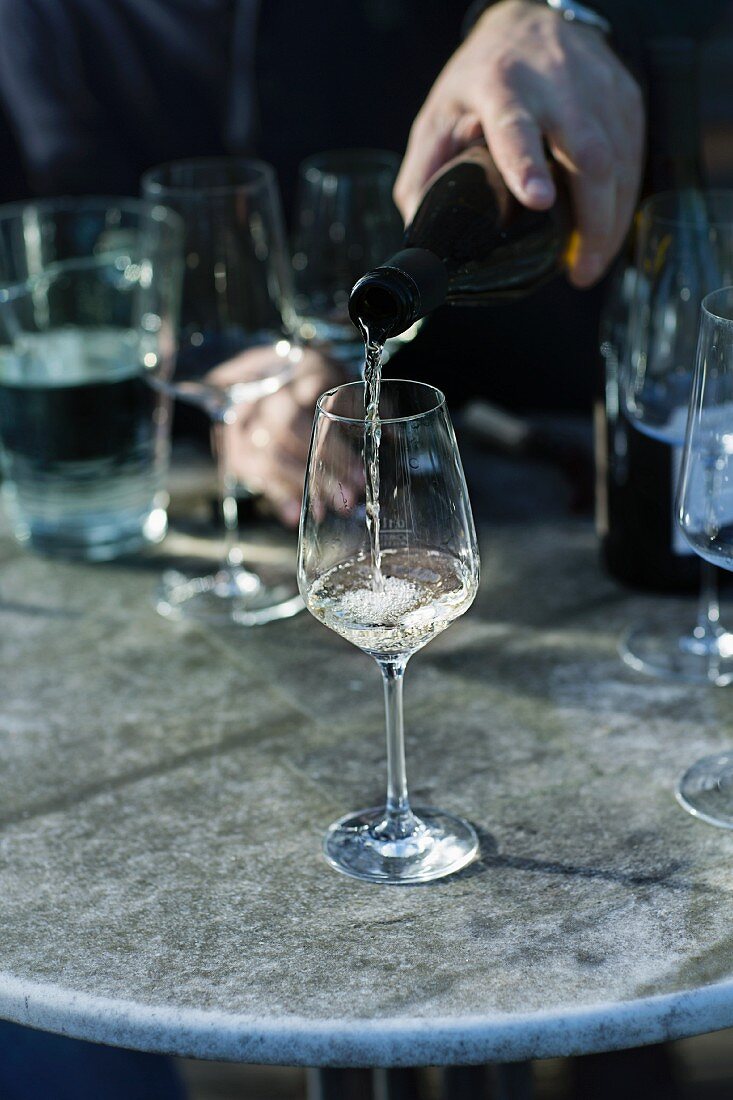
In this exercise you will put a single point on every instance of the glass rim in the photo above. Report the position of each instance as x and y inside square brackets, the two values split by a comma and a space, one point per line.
[158, 211]
[706, 306]
[372, 158]
[264, 176]
[11, 292]
[646, 209]
[440, 403]
[73, 204]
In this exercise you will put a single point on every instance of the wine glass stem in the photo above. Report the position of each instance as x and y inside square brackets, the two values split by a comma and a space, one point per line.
[399, 817]
[708, 611]
[221, 444]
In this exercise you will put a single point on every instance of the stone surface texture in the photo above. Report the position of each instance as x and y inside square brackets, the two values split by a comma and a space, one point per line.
[164, 790]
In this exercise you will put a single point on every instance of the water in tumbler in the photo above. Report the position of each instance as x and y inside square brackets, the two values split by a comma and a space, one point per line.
[83, 442]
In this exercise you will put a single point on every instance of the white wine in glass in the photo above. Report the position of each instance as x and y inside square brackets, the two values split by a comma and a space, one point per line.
[389, 587]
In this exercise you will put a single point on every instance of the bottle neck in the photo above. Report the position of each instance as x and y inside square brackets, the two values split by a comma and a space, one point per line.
[387, 300]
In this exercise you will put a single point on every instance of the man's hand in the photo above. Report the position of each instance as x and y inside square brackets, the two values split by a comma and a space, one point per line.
[269, 441]
[524, 75]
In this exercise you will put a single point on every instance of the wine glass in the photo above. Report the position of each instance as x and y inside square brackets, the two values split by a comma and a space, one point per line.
[234, 349]
[346, 223]
[428, 576]
[685, 249]
[705, 513]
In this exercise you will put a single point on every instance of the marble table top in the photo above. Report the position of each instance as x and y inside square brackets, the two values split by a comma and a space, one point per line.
[164, 789]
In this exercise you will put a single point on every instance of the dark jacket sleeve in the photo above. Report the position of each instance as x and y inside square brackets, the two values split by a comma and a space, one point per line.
[97, 91]
[636, 22]
[56, 118]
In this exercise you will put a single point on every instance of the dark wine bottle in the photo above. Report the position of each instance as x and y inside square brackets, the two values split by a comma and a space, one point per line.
[470, 241]
[635, 474]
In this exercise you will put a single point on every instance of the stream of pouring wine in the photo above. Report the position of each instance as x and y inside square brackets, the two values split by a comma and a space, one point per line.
[372, 437]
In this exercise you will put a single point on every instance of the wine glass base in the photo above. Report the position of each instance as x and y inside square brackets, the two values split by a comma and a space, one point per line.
[664, 652]
[706, 790]
[441, 845]
[226, 598]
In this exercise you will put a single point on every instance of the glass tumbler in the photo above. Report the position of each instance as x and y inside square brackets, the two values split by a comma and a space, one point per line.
[89, 298]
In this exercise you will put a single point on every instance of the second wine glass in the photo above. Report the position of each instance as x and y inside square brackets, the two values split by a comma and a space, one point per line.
[234, 349]
[685, 250]
[705, 513]
[346, 223]
[393, 602]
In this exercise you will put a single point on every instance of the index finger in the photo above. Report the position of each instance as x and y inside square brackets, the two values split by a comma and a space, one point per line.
[514, 138]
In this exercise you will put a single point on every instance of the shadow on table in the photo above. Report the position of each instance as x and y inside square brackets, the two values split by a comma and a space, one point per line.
[491, 859]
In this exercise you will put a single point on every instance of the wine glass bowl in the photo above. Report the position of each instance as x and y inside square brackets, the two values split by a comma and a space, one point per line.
[346, 222]
[427, 577]
[684, 250]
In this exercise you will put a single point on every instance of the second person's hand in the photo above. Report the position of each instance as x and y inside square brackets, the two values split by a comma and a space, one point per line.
[269, 439]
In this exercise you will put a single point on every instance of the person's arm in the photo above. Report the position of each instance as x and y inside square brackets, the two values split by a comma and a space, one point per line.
[635, 22]
[60, 128]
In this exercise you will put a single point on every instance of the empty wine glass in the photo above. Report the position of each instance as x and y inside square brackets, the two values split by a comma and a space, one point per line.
[428, 577]
[234, 349]
[685, 250]
[346, 223]
[705, 514]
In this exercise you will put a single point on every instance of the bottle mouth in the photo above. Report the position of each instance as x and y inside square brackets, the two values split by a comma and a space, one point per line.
[382, 305]
[389, 299]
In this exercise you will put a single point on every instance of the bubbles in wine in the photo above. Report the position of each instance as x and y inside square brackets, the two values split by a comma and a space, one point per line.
[365, 605]
[423, 592]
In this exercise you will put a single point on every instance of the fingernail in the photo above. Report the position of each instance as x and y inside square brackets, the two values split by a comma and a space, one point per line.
[539, 189]
[290, 512]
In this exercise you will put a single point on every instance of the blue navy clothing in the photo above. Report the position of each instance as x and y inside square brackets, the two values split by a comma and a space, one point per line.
[99, 91]
[96, 91]
[37, 1066]
[634, 22]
